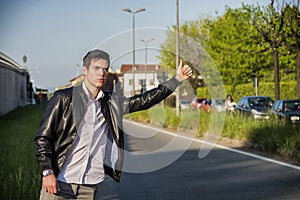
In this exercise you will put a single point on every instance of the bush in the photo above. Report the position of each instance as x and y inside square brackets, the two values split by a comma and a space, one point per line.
[277, 138]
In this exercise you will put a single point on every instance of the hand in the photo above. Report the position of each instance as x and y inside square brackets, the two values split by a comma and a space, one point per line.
[50, 184]
[183, 72]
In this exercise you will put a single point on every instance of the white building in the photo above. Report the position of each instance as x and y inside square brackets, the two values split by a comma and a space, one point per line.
[15, 86]
[145, 77]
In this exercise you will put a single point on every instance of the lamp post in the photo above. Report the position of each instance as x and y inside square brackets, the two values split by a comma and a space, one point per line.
[133, 42]
[146, 43]
[177, 55]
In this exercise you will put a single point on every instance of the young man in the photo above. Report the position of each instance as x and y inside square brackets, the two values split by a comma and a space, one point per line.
[80, 138]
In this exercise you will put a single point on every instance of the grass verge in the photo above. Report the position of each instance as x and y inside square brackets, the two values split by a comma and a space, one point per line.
[19, 172]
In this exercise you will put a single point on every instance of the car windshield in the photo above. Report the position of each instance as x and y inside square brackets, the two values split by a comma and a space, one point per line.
[260, 101]
[185, 101]
[219, 101]
[292, 106]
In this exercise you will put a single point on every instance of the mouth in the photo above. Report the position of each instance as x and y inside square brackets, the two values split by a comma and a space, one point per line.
[100, 80]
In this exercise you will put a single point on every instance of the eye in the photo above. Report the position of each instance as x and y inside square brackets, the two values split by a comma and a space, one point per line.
[104, 69]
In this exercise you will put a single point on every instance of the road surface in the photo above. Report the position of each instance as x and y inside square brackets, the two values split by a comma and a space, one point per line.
[222, 174]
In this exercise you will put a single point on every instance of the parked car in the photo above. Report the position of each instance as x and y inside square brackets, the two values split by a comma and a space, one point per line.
[218, 104]
[256, 106]
[198, 103]
[185, 104]
[288, 110]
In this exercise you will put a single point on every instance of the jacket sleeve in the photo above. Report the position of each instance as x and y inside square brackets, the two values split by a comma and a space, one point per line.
[151, 97]
[46, 134]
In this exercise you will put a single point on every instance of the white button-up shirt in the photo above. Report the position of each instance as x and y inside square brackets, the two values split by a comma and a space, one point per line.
[84, 165]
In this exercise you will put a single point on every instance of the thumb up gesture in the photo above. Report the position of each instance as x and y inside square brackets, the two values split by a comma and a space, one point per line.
[183, 72]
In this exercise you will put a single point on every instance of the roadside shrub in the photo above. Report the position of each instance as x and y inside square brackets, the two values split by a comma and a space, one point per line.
[278, 138]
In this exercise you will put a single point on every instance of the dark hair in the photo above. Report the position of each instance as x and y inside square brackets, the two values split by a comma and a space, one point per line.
[95, 54]
[229, 95]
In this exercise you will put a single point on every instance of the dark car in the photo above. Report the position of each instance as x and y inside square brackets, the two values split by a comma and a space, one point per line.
[288, 110]
[185, 104]
[198, 103]
[256, 106]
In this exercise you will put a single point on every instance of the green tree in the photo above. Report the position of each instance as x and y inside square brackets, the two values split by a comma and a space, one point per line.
[239, 42]
[292, 37]
[191, 38]
[269, 22]
[235, 46]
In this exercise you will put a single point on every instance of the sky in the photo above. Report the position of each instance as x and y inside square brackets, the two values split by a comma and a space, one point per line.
[56, 34]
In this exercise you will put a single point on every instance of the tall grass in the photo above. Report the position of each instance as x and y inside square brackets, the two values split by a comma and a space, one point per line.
[278, 137]
[166, 117]
[20, 176]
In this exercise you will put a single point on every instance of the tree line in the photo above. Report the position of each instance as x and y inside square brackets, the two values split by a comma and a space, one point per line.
[244, 43]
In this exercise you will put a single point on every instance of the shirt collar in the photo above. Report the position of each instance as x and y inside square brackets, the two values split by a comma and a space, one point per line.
[99, 95]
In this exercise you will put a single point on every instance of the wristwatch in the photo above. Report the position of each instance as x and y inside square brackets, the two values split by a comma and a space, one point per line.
[47, 172]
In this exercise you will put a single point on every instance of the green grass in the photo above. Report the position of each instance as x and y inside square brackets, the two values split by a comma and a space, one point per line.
[19, 173]
[165, 116]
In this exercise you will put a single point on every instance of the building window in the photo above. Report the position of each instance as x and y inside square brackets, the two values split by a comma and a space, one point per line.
[142, 82]
[130, 81]
[151, 82]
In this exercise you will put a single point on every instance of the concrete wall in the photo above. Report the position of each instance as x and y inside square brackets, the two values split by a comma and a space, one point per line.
[14, 85]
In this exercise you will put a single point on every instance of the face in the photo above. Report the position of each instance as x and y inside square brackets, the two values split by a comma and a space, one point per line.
[96, 73]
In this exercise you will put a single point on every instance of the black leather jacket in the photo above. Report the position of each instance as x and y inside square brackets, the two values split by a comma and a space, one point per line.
[59, 124]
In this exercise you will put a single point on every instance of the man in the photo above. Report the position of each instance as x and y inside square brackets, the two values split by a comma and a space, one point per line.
[80, 138]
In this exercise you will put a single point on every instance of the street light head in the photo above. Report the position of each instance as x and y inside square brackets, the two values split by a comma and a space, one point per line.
[126, 9]
[146, 41]
[140, 10]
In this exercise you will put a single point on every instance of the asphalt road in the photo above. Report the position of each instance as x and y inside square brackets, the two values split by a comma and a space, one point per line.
[222, 174]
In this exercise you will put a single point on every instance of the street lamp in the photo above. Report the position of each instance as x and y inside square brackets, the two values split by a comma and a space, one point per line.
[146, 43]
[177, 56]
[133, 42]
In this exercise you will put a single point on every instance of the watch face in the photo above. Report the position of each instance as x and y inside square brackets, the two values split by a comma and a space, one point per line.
[47, 172]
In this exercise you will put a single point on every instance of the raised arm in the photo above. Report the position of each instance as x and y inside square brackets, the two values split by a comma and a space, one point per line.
[156, 95]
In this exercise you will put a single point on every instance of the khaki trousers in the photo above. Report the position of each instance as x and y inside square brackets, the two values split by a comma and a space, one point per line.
[71, 191]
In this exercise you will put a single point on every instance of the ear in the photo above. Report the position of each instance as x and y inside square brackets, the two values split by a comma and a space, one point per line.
[84, 70]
